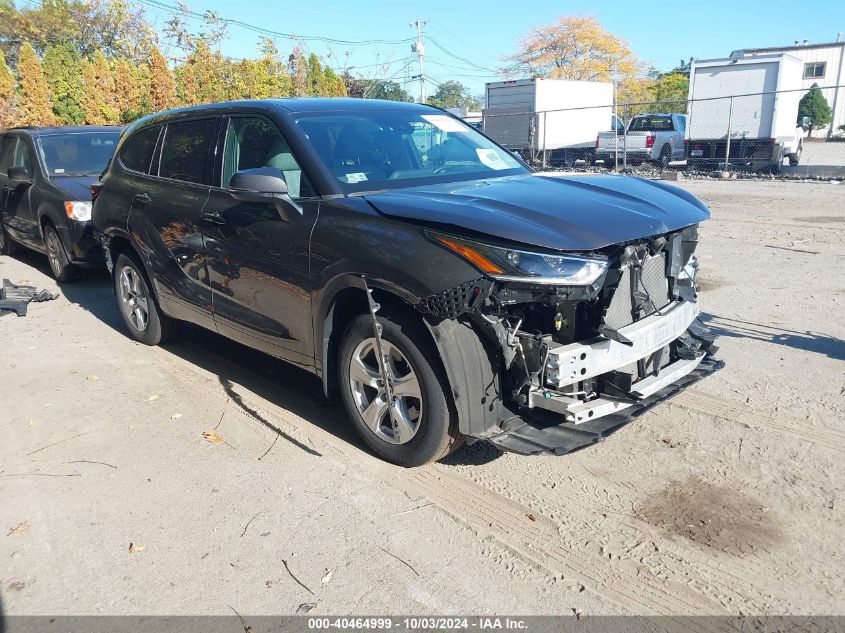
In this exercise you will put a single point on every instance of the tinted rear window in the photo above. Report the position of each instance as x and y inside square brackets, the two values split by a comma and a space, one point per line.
[185, 151]
[651, 124]
[137, 150]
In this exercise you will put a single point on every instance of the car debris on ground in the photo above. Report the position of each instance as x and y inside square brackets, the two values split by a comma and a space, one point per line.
[15, 298]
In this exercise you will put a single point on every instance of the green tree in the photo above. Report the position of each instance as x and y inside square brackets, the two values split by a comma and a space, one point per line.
[63, 71]
[111, 26]
[380, 89]
[7, 93]
[204, 77]
[298, 70]
[814, 105]
[264, 78]
[453, 94]
[33, 102]
[162, 84]
[670, 92]
[99, 98]
[335, 86]
[315, 80]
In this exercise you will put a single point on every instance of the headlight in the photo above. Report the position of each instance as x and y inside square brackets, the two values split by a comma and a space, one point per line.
[508, 264]
[77, 210]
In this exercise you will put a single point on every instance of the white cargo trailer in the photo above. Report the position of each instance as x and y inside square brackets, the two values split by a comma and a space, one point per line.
[556, 117]
[742, 113]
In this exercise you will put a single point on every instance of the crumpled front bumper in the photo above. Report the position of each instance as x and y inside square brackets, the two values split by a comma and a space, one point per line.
[558, 419]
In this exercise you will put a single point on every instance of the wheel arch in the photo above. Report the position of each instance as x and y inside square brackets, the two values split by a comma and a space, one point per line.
[467, 358]
[117, 242]
[343, 300]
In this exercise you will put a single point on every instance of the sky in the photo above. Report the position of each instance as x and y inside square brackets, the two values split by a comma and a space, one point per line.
[467, 41]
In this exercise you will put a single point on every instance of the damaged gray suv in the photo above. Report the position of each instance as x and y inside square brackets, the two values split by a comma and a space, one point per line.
[438, 287]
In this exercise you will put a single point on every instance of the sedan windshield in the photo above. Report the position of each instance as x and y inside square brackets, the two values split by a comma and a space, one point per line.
[78, 153]
[366, 151]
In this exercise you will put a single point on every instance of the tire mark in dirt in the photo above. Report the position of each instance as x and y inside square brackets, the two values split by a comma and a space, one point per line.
[490, 514]
[700, 402]
[539, 542]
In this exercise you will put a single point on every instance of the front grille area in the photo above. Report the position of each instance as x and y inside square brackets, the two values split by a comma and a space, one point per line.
[653, 284]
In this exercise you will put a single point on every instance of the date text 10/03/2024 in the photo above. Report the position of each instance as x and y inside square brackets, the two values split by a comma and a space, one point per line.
[413, 623]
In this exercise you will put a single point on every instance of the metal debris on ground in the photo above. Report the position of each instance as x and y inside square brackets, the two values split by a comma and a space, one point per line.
[15, 298]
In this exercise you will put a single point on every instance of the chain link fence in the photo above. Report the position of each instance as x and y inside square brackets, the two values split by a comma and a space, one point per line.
[757, 133]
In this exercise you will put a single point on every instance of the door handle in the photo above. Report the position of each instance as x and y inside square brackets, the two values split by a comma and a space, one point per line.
[142, 199]
[214, 218]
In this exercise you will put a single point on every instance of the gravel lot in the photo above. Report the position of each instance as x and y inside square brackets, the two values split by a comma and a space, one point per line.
[727, 499]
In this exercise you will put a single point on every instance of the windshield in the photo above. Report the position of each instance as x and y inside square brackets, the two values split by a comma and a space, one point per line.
[77, 154]
[366, 151]
[651, 124]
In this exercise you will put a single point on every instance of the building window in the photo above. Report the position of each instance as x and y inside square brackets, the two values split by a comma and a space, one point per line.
[814, 70]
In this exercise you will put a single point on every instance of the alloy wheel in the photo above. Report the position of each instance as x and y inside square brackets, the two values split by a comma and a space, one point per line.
[396, 422]
[54, 250]
[133, 298]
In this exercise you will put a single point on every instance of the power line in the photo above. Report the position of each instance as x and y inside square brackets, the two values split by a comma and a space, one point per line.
[458, 57]
[436, 63]
[156, 4]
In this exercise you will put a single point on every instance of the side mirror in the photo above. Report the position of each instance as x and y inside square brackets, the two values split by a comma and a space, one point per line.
[263, 185]
[19, 175]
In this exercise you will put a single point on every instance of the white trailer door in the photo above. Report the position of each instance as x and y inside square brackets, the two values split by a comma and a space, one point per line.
[750, 116]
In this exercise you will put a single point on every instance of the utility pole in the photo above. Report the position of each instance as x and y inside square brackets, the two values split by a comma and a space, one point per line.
[418, 47]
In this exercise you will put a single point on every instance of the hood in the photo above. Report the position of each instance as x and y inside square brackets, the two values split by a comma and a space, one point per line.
[74, 187]
[570, 213]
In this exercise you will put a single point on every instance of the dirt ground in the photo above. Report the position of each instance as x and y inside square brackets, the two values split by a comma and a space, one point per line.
[726, 500]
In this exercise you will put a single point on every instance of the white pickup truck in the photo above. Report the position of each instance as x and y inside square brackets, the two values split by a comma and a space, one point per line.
[657, 138]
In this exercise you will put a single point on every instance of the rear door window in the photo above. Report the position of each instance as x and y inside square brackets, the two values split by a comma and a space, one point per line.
[137, 151]
[184, 155]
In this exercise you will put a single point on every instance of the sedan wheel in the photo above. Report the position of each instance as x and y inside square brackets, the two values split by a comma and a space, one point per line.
[61, 268]
[398, 422]
[133, 299]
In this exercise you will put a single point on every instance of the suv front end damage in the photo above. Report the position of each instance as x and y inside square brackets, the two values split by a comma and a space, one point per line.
[572, 363]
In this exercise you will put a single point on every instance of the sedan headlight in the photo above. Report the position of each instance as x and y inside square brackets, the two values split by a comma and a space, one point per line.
[509, 264]
[78, 210]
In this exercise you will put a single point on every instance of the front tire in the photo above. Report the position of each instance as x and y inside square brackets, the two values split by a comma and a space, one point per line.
[420, 427]
[63, 271]
[141, 314]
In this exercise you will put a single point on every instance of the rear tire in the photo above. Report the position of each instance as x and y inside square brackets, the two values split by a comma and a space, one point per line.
[423, 400]
[7, 245]
[665, 157]
[141, 314]
[60, 265]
